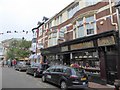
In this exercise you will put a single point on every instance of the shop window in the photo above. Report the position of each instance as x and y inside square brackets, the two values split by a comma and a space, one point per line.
[91, 63]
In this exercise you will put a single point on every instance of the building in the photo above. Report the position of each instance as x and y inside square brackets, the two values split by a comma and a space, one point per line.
[35, 46]
[86, 33]
[1, 51]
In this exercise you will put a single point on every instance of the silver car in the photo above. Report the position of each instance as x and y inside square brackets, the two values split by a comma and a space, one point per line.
[21, 66]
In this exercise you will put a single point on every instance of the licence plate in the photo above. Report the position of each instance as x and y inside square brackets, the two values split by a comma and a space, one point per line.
[83, 79]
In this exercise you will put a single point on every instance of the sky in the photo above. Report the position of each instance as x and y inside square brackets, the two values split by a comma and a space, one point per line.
[19, 15]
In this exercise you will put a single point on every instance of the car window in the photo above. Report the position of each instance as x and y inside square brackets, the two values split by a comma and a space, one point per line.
[59, 69]
[51, 69]
[44, 66]
[76, 71]
[68, 71]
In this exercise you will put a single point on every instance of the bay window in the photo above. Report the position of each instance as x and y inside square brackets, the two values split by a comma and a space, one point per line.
[52, 39]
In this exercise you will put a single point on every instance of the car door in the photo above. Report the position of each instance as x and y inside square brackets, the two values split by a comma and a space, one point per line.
[33, 69]
[50, 74]
[29, 69]
[57, 74]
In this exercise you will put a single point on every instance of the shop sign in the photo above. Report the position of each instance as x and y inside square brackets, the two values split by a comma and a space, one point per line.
[106, 41]
[82, 45]
[65, 48]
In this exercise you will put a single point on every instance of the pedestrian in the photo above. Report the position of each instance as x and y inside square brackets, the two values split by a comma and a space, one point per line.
[15, 62]
[10, 63]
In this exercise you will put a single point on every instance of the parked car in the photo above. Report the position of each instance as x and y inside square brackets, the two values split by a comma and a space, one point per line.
[66, 77]
[21, 66]
[36, 69]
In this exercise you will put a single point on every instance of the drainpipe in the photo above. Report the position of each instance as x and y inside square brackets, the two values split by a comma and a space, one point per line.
[111, 12]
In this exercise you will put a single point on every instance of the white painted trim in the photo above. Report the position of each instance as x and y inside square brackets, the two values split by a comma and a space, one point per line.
[105, 8]
[104, 17]
[69, 31]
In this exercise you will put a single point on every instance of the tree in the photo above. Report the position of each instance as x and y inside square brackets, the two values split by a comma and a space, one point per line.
[19, 49]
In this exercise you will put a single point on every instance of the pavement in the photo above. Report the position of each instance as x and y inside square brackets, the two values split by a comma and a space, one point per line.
[100, 87]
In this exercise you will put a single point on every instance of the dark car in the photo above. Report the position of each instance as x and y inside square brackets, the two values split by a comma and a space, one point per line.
[21, 66]
[36, 69]
[66, 77]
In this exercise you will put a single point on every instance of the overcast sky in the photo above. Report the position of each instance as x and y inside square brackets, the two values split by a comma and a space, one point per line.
[19, 15]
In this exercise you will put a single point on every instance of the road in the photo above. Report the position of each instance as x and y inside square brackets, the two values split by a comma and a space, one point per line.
[15, 79]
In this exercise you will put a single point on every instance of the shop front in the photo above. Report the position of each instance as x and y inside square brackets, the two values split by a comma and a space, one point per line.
[97, 54]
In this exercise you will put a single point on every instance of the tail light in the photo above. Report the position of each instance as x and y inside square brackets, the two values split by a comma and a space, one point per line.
[73, 76]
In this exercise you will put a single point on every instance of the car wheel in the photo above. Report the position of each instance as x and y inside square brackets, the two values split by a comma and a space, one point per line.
[63, 85]
[35, 75]
[43, 78]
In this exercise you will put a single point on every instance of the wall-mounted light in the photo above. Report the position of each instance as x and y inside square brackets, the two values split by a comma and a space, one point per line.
[101, 22]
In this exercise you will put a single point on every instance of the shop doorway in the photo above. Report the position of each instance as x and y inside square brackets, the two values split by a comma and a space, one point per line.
[111, 67]
[66, 59]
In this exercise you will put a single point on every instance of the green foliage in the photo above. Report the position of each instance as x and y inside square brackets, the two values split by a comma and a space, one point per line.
[18, 49]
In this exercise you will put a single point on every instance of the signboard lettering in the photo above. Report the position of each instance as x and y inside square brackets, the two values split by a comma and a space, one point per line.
[82, 45]
[106, 41]
[65, 48]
